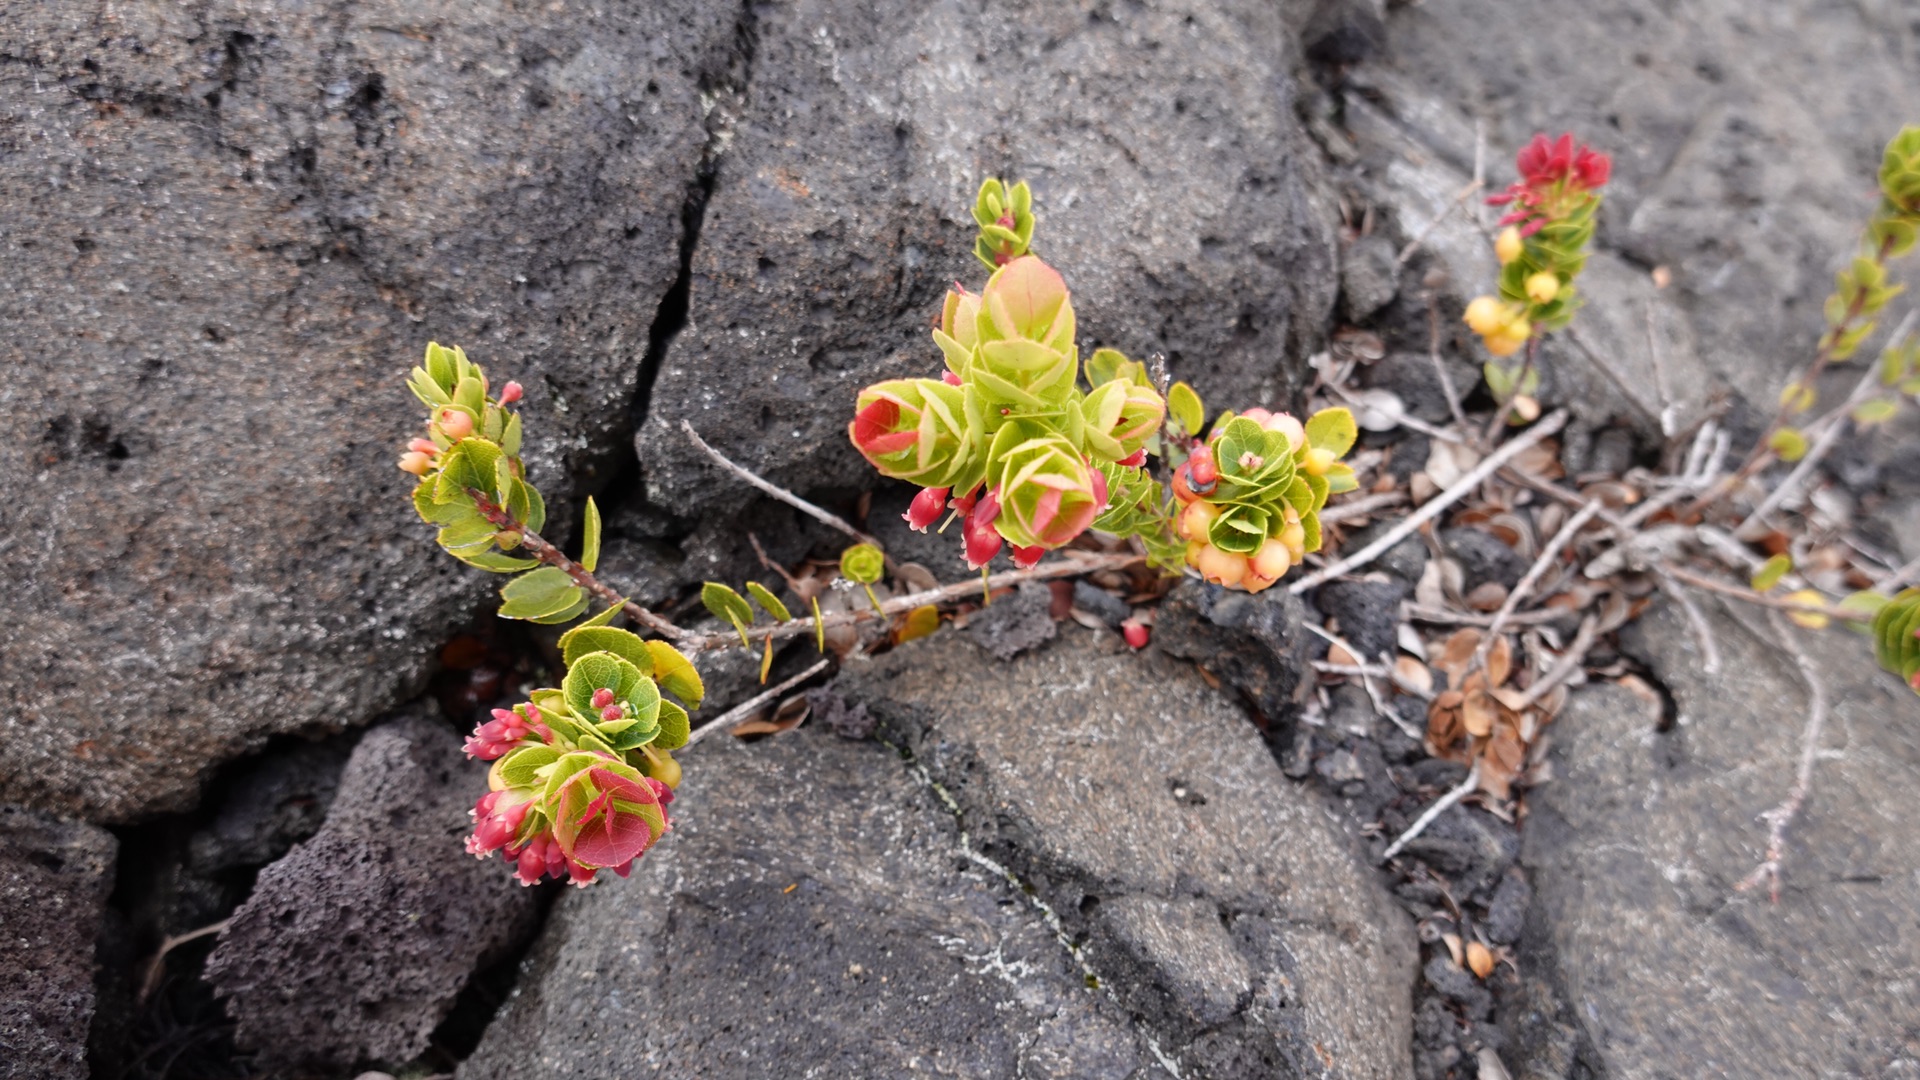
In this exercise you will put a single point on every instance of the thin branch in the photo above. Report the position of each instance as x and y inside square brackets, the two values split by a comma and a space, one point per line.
[1435, 505]
[156, 965]
[1067, 567]
[1459, 200]
[540, 549]
[1702, 629]
[1439, 807]
[1439, 366]
[1534, 573]
[1700, 581]
[825, 516]
[1835, 422]
[1361, 507]
[1781, 816]
[751, 705]
[1422, 613]
[1563, 668]
[1899, 579]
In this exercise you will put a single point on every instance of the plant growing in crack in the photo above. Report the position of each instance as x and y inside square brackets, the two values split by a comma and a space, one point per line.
[582, 774]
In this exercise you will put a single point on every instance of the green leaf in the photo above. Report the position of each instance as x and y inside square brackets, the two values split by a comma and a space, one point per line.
[590, 547]
[1875, 411]
[1183, 404]
[1789, 443]
[510, 438]
[726, 605]
[1771, 572]
[765, 598]
[674, 727]
[495, 562]
[861, 563]
[441, 366]
[1332, 429]
[539, 593]
[567, 614]
[605, 618]
[521, 767]
[672, 670]
[1340, 478]
[583, 639]
[1500, 380]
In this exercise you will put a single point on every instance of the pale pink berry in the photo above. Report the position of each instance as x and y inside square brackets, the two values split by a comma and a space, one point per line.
[510, 393]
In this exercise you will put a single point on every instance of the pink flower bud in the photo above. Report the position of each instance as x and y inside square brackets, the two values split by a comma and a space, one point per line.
[1025, 557]
[1135, 459]
[416, 463]
[980, 540]
[925, 508]
[456, 424]
[1099, 488]
[423, 446]
[950, 378]
[611, 713]
[510, 393]
[602, 698]
[1135, 632]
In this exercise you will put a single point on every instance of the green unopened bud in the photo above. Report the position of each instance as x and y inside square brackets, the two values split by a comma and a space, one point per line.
[1047, 490]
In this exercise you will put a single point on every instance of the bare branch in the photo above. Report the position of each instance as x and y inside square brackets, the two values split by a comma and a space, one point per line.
[751, 705]
[1439, 366]
[1702, 629]
[1564, 667]
[825, 516]
[1781, 816]
[1534, 573]
[1700, 581]
[1435, 505]
[1361, 507]
[540, 549]
[1439, 807]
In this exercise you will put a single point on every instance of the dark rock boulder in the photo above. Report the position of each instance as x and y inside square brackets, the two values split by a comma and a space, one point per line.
[816, 910]
[354, 946]
[1257, 645]
[1173, 181]
[1635, 849]
[228, 232]
[1128, 884]
[1215, 897]
[54, 880]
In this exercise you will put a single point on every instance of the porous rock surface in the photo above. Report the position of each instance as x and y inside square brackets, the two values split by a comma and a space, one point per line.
[1744, 138]
[1173, 182]
[871, 916]
[1636, 846]
[229, 230]
[54, 880]
[354, 946]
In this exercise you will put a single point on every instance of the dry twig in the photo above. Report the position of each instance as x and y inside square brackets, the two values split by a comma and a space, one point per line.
[1435, 505]
[1778, 818]
[825, 516]
[753, 704]
[1439, 807]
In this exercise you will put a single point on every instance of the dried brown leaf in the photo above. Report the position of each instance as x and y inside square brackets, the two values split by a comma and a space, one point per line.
[1479, 959]
[1478, 712]
[1413, 676]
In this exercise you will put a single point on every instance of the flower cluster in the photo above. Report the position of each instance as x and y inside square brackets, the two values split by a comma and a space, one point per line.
[1250, 496]
[472, 445]
[1542, 246]
[581, 775]
[1007, 438]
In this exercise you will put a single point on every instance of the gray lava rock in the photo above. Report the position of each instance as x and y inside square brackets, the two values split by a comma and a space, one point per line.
[1095, 600]
[1012, 625]
[353, 947]
[1257, 944]
[1368, 613]
[1483, 557]
[1411, 377]
[1255, 644]
[54, 880]
[1174, 183]
[279, 800]
[1405, 560]
[1369, 277]
[229, 231]
[1727, 171]
[815, 911]
[1636, 846]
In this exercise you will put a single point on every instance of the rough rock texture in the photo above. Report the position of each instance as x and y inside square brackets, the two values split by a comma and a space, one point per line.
[354, 946]
[1175, 187]
[278, 801]
[229, 230]
[815, 912]
[54, 880]
[1255, 644]
[1637, 844]
[878, 938]
[1745, 138]
[1219, 900]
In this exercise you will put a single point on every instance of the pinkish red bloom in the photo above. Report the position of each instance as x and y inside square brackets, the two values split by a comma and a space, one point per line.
[926, 508]
[493, 739]
[1135, 459]
[980, 539]
[510, 393]
[1026, 557]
